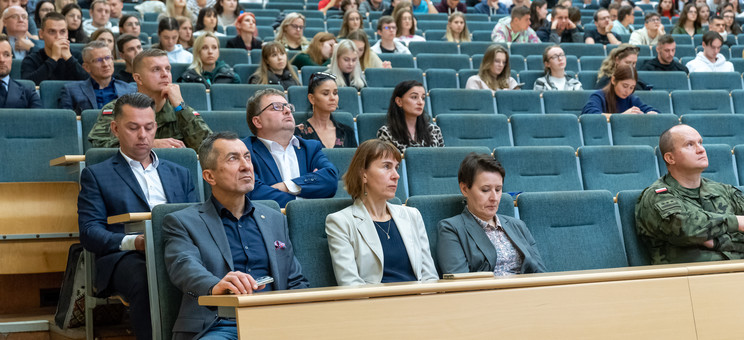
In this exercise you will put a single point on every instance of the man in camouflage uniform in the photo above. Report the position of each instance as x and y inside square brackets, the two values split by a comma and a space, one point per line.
[683, 217]
[178, 124]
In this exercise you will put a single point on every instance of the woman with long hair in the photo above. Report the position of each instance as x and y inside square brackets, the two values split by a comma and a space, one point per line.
[74, 19]
[176, 8]
[624, 54]
[105, 35]
[729, 19]
[345, 65]
[43, 8]
[703, 15]
[407, 123]
[274, 68]
[352, 21]
[227, 12]
[185, 32]
[247, 36]
[555, 78]
[207, 22]
[457, 28]
[538, 14]
[207, 68]
[322, 93]
[688, 21]
[406, 27]
[617, 96]
[130, 24]
[367, 57]
[290, 32]
[318, 53]
[168, 42]
[494, 73]
[667, 9]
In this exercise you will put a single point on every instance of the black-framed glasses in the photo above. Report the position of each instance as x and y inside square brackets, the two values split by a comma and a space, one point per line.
[557, 56]
[321, 76]
[277, 106]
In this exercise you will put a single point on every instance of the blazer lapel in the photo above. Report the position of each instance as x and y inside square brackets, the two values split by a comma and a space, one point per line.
[365, 226]
[477, 233]
[213, 223]
[264, 156]
[14, 93]
[125, 172]
[405, 228]
[302, 160]
[87, 89]
[169, 181]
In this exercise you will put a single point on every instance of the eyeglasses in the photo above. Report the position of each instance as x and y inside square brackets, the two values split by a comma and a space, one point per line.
[355, 19]
[132, 24]
[297, 27]
[557, 56]
[321, 76]
[389, 28]
[18, 16]
[277, 106]
[654, 20]
[101, 59]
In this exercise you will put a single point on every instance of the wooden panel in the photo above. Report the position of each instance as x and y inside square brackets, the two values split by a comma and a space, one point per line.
[34, 256]
[608, 310]
[21, 293]
[718, 305]
[30, 208]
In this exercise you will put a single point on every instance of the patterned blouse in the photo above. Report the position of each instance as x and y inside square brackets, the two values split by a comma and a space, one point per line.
[344, 134]
[509, 259]
[436, 135]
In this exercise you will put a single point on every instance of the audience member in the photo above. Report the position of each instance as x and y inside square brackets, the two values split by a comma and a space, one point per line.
[105, 35]
[168, 42]
[177, 8]
[318, 53]
[667, 9]
[703, 15]
[406, 28]
[178, 124]
[457, 28]
[515, 28]
[13, 94]
[367, 57]
[491, 7]
[130, 24]
[74, 19]
[274, 68]
[133, 180]
[54, 61]
[206, 68]
[710, 59]
[345, 65]
[479, 239]
[494, 72]
[227, 12]
[322, 93]
[15, 20]
[43, 8]
[422, 7]
[688, 22]
[538, 14]
[326, 5]
[116, 8]
[58, 4]
[207, 22]
[732, 27]
[624, 22]
[247, 37]
[369, 6]
[717, 24]
[451, 6]
[286, 166]
[373, 241]
[561, 29]
[602, 34]
[625, 54]
[685, 217]
[100, 13]
[651, 31]
[98, 90]
[352, 21]
[290, 32]
[387, 30]
[664, 61]
[197, 5]
[407, 123]
[185, 32]
[555, 78]
[227, 223]
[617, 96]
[129, 47]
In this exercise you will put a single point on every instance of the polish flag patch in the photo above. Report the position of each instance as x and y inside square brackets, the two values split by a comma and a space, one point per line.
[107, 112]
[196, 113]
[660, 190]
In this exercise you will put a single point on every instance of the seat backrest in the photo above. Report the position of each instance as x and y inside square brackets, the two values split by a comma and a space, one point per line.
[715, 81]
[591, 63]
[657, 99]
[701, 101]
[477, 47]
[29, 139]
[717, 128]
[539, 168]
[341, 158]
[617, 168]
[582, 49]
[88, 119]
[440, 78]
[565, 101]
[595, 129]
[433, 171]
[640, 129]
[306, 220]
[368, 124]
[398, 60]
[234, 97]
[50, 90]
[461, 101]
[195, 95]
[487, 130]
[383, 77]
[529, 48]
[737, 96]
[588, 79]
[308, 71]
[245, 71]
[552, 129]
[524, 101]
[528, 77]
[441, 47]
[234, 56]
[376, 99]
[574, 230]
[427, 61]
[234, 121]
[634, 248]
[665, 80]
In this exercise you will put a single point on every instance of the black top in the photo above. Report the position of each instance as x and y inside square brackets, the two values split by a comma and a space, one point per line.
[655, 65]
[344, 134]
[37, 66]
[385, 50]
[598, 38]
[124, 76]
[397, 266]
[78, 36]
[285, 80]
[237, 42]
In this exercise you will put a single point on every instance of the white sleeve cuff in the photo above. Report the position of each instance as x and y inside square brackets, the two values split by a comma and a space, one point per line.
[293, 188]
[127, 243]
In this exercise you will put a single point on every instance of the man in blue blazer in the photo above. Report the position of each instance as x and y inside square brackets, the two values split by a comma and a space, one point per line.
[222, 245]
[16, 95]
[133, 180]
[98, 90]
[286, 166]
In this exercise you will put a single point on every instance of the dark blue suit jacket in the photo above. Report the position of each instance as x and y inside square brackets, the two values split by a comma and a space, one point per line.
[318, 176]
[109, 188]
[80, 96]
[21, 97]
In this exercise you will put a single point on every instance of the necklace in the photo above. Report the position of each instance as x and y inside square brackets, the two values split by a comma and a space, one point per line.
[383, 230]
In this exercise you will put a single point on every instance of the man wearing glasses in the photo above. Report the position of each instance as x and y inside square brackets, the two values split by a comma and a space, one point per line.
[386, 29]
[650, 33]
[286, 167]
[98, 90]
[15, 20]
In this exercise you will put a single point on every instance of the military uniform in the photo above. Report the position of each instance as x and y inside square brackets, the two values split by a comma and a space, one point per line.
[186, 125]
[674, 221]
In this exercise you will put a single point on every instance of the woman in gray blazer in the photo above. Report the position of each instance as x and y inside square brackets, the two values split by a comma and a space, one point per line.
[373, 241]
[478, 239]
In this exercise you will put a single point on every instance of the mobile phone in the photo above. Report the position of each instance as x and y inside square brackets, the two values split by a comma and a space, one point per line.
[264, 280]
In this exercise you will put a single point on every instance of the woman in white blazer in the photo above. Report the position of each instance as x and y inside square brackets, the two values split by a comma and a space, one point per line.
[373, 241]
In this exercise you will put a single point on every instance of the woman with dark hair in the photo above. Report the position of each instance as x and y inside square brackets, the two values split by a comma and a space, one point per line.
[207, 22]
[479, 239]
[407, 123]
[74, 19]
[406, 27]
[274, 68]
[247, 37]
[322, 93]
[667, 9]
[227, 12]
[538, 14]
[43, 8]
[318, 53]
[352, 21]
[207, 68]
[624, 22]
[129, 24]
[168, 42]
[729, 19]
[373, 241]
[688, 21]
[617, 96]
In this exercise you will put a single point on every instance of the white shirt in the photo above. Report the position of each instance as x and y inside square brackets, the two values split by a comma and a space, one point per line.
[559, 83]
[149, 181]
[286, 161]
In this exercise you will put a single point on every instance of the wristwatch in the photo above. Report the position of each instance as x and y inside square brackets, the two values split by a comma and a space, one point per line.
[179, 107]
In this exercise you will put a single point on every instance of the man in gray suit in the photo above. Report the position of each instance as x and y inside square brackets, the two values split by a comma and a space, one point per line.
[220, 246]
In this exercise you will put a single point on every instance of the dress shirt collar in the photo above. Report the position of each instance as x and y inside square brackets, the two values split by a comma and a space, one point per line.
[98, 87]
[495, 223]
[6, 81]
[224, 212]
[274, 146]
[133, 163]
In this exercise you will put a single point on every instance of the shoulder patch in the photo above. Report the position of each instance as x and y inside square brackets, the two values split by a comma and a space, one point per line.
[196, 113]
[107, 112]
[660, 190]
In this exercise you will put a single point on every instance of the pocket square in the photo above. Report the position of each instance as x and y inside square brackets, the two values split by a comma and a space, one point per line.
[279, 245]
